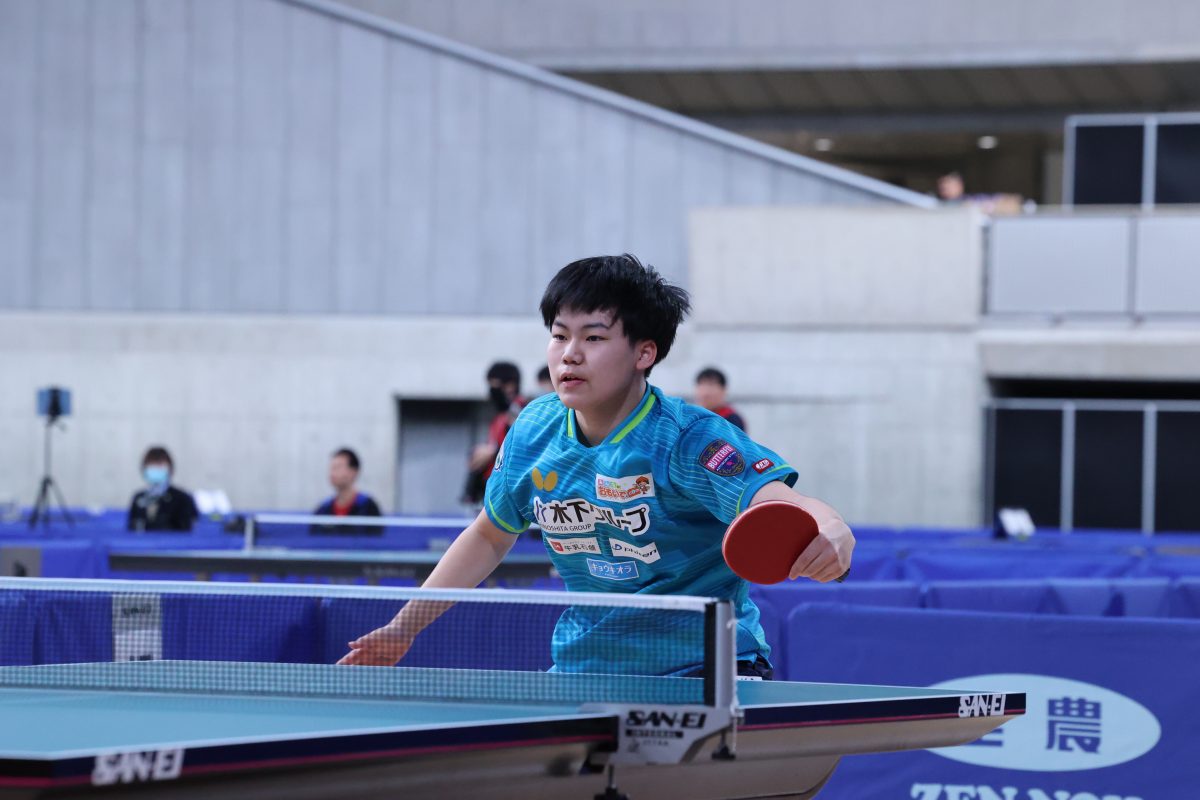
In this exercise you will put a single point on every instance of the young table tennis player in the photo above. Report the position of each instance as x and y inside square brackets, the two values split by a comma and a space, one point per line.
[633, 490]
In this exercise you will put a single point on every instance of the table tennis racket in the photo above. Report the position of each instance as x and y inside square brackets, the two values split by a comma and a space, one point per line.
[765, 540]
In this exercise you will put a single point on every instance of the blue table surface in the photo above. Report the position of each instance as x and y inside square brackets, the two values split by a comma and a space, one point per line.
[58, 720]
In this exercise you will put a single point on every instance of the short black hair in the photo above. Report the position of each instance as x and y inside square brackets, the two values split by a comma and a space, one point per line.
[505, 372]
[544, 374]
[648, 307]
[158, 455]
[711, 374]
[351, 457]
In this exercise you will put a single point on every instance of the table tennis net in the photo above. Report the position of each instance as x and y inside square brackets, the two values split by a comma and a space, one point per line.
[493, 645]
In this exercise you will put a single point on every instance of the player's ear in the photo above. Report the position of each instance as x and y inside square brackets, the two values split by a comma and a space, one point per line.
[647, 353]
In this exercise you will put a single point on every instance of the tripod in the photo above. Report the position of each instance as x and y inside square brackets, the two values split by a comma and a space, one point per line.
[41, 506]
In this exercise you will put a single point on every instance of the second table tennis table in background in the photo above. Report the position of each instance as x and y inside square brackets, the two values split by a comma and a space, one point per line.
[372, 565]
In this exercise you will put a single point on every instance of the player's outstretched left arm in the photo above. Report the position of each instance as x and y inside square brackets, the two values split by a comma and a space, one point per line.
[472, 557]
[828, 557]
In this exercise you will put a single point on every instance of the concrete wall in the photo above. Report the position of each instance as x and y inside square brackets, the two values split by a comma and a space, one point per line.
[856, 361]
[883, 425]
[628, 34]
[1129, 352]
[207, 208]
[1129, 263]
[849, 340]
[251, 404]
[855, 343]
[267, 156]
[852, 340]
[255, 405]
[836, 268]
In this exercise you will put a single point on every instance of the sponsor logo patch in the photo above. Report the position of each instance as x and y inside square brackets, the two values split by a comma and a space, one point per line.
[1068, 726]
[981, 705]
[762, 466]
[613, 570]
[137, 767]
[664, 724]
[587, 544]
[648, 554]
[546, 483]
[722, 458]
[499, 456]
[624, 489]
[577, 515]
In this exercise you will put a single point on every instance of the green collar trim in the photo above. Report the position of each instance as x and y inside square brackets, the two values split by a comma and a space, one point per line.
[647, 404]
[634, 420]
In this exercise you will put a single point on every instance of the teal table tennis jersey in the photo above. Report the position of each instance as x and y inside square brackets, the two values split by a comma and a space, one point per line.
[643, 511]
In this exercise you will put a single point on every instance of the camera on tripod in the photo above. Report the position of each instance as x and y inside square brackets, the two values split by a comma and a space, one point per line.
[53, 402]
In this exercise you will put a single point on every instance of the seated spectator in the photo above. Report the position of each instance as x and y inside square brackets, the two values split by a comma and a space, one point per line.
[349, 501]
[161, 506]
[710, 394]
[951, 189]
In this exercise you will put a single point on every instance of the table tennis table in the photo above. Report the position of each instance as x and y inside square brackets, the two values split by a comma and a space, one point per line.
[74, 730]
[373, 565]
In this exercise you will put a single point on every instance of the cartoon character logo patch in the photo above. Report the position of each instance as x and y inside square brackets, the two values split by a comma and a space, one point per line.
[722, 458]
[624, 489]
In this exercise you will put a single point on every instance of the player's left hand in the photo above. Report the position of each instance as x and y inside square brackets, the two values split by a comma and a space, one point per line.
[382, 647]
[828, 556]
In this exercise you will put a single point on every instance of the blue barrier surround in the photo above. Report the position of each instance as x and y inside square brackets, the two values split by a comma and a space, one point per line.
[1150, 662]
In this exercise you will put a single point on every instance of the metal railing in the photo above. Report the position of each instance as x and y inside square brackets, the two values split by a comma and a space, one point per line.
[1066, 448]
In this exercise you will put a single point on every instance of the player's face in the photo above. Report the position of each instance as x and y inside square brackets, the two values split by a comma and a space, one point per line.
[592, 362]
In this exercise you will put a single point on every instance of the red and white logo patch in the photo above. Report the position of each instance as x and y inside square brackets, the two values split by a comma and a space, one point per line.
[568, 546]
[762, 466]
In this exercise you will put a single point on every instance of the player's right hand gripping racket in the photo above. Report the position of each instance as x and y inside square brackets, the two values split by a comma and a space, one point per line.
[765, 540]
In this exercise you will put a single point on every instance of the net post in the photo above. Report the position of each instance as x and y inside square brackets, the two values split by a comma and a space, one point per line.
[248, 533]
[720, 655]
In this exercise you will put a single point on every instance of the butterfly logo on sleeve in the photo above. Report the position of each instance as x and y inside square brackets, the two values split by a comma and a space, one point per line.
[546, 483]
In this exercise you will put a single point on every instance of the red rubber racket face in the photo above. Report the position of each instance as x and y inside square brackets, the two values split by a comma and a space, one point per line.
[765, 540]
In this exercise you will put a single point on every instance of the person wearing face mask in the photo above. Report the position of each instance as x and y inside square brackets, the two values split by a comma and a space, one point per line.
[160, 506]
[504, 394]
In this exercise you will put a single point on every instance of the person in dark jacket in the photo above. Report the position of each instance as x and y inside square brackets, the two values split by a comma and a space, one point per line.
[349, 501]
[160, 506]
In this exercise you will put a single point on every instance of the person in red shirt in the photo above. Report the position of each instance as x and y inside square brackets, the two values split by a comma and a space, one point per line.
[545, 384]
[710, 394]
[504, 394]
[349, 501]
